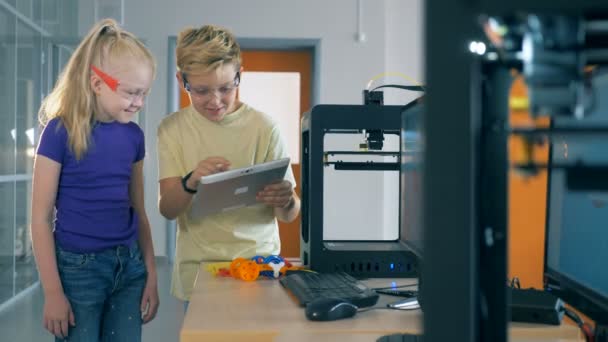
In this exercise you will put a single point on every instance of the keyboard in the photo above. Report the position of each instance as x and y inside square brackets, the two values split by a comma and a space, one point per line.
[307, 286]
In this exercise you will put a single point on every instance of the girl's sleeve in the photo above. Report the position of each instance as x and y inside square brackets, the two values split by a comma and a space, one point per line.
[141, 145]
[53, 141]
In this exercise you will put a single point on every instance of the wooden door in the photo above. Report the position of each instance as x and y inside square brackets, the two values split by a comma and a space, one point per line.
[527, 198]
[286, 61]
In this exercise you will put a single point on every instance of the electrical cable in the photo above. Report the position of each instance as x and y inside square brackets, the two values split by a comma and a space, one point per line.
[399, 86]
[385, 74]
[394, 287]
[388, 308]
[585, 328]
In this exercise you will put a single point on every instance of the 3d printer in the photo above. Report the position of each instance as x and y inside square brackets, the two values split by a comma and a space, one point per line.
[361, 142]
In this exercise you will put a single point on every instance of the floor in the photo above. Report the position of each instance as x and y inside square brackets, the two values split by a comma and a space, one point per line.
[22, 320]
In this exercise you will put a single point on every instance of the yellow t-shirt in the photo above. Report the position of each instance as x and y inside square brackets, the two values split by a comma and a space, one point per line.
[244, 137]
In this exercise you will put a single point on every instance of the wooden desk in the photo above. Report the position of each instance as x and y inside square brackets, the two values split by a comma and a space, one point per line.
[226, 309]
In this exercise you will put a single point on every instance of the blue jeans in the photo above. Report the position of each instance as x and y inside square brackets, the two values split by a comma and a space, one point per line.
[105, 291]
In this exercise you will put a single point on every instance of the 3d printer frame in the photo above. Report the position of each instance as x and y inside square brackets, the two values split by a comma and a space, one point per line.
[358, 258]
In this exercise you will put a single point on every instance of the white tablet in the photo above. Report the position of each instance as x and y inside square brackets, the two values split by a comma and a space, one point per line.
[236, 188]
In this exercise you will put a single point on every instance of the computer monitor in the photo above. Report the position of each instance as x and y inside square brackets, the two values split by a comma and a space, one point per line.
[410, 184]
[410, 194]
[577, 214]
[410, 178]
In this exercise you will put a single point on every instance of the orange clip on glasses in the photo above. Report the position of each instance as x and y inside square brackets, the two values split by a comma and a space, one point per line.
[114, 83]
[107, 79]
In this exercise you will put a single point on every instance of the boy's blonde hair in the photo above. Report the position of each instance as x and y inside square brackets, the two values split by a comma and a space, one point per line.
[204, 49]
[72, 98]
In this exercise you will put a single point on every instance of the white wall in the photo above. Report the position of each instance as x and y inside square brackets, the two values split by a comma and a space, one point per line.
[404, 47]
[345, 64]
[405, 64]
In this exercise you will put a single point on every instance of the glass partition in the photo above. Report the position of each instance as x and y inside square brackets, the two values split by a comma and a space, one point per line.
[32, 50]
[7, 238]
[7, 95]
[7, 153]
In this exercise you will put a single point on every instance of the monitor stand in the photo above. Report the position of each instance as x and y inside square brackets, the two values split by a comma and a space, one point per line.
[400, 338]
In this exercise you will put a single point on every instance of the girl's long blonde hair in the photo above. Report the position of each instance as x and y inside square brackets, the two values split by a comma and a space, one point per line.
[72, 98]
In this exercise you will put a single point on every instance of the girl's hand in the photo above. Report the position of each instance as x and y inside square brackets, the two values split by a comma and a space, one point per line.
[149, 300]
[57, 314]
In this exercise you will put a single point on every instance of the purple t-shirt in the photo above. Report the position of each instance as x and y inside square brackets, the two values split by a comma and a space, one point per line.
[93, 207]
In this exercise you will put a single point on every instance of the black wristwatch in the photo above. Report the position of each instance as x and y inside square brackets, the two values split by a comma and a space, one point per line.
[185, 186]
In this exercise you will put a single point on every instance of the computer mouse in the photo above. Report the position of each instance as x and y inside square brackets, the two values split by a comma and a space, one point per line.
[330, 309]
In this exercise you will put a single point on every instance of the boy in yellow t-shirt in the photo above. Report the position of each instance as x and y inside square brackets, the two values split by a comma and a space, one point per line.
[216, 133]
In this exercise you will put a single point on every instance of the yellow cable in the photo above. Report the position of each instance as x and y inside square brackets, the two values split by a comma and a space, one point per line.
[385, 74]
